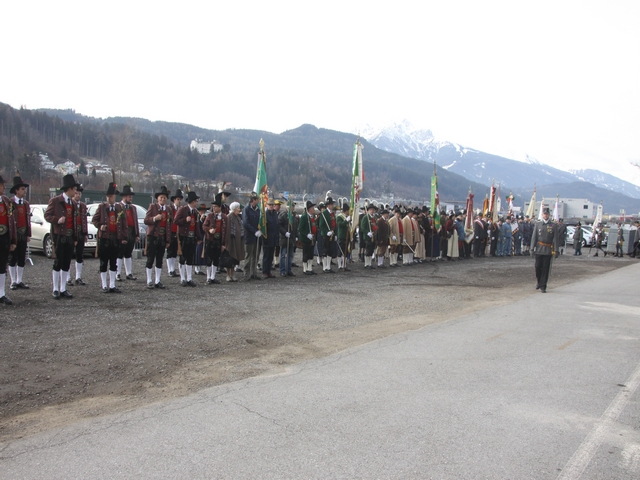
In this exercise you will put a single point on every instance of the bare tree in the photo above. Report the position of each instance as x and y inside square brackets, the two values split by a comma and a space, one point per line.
[125, 150]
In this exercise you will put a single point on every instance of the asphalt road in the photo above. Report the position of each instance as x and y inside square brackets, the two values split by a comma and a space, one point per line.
[544, 387]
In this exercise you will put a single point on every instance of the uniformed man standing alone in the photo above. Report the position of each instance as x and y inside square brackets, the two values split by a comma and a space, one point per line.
[545, 243]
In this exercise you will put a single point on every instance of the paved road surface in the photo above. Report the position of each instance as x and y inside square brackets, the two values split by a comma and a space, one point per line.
[545, 387]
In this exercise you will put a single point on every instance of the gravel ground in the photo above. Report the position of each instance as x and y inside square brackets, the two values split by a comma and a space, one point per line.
[62, 361]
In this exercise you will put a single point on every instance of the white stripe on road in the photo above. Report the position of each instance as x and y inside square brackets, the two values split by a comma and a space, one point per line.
[588, 448]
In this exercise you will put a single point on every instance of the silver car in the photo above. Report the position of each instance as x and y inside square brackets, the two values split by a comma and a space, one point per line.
[41, 240]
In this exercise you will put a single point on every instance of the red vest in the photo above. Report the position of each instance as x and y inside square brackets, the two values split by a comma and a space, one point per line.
[113, 226]
[129, 212]
[163, 221]
[174, 227]
[4, 218]
[21, 215]
[69, 209]
[400, 227]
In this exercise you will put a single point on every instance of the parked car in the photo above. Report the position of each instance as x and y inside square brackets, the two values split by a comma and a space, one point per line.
[41, 240]
[141, 214]
[587, 235]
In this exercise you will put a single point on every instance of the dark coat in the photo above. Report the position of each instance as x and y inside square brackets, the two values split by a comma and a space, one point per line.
[210, 222]
[273, 230]
[101, 217]
[181, 220]
[152, 224]
[285, 226]
[250, 223]
[56, 209]
[6, 206]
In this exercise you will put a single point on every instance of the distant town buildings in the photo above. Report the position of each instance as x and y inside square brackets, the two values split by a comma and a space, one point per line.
[205, 147]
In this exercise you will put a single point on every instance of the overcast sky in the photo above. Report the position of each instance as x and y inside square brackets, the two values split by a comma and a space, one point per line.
[558, 80]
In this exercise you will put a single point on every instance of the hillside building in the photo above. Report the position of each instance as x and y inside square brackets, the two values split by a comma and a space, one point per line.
[206, 147]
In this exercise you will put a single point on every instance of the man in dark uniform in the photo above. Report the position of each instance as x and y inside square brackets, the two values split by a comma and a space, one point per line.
[158, 219]
[61, 213]
[133, 234]
[368, 230]
[189, 236]
[479, 237]
[111, 223]
[22, 219]
[342, 223]
[83, 230]
[270, 240]
[288, 225]
[215, 232]
[307, 234]
[172, 249]
[382, 237]
[545, 243]
[327, 226]
[8, 239]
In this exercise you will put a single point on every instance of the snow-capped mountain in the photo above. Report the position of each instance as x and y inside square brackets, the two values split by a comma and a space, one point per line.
[403, 139]
[604, 180]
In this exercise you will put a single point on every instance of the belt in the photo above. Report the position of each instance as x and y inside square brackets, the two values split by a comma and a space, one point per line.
[545, 244]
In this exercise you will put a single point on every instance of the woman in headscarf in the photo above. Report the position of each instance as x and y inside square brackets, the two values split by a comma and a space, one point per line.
[234, 241]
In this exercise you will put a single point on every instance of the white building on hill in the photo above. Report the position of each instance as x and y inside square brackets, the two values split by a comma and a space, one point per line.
[206, 147]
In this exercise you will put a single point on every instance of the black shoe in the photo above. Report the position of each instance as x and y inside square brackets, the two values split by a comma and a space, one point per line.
[291, 274]
[282, 274]
[115, 290]
[79, 281]
[307, 273]
[118, 277]
[159, 285]
[543, 289]
[66, 294]
[23, 286]
[5, 300]
[191, 283]
[311, 272]
[183, 283]
[56, 294]
[70, 283]
[131, 277]
[345, 269]
[294, 265]
[150, 286]
[213, 282]
[13, 286]
[173, 274]
[105, 290]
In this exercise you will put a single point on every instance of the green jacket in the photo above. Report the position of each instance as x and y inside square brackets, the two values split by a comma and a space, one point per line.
[305, 227]
[366, 224]
[324, 222]
[343, 226]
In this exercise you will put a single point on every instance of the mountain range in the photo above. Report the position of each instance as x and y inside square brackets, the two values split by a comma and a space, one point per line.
[398, 160]
[402, 138]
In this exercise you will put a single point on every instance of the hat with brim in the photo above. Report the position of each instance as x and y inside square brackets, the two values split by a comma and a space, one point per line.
[253, 196]
[310, 204]
[17, 183]
[346, 207]
[68, 182]
[217, 202]
[192, 197]
[271, 202]
[177, 195]
[202, 206]
[372, 206]
[79, 188]
[126, 190]
[112, 190]
[163, 191]
[329, 201]
[546, 210]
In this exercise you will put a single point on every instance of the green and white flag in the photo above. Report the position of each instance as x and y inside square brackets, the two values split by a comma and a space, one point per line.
[261, 188]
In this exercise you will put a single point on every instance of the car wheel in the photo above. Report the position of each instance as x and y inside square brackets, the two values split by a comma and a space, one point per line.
[584, 243]
[47, 246]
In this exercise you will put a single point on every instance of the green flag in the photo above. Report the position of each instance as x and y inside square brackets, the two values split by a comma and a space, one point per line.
[435, 202]
[261, 188]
